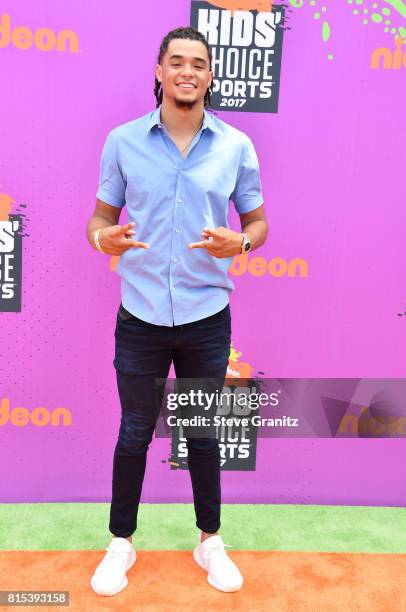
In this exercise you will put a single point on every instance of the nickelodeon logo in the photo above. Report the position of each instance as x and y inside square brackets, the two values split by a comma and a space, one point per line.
[277, 266]
[44, 39]
[257, 266]
[40, 417]
[391, 60]
[367, 424]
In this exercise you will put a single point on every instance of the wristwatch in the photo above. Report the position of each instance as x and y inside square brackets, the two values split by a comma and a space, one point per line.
[246, 244]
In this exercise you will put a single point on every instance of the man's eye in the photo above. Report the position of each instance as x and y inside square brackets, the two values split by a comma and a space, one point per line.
[175, 65]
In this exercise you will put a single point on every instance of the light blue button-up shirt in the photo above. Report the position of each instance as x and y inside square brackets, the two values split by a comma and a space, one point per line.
[171, 199]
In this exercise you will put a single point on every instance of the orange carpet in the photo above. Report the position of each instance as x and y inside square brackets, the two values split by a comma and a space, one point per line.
[165, 581]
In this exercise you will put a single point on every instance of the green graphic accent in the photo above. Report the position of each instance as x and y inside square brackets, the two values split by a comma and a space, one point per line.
[398, 5]
[366, 14]
[290, 527]
[325, 31]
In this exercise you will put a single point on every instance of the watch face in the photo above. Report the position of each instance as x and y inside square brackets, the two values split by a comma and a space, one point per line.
[247, 246]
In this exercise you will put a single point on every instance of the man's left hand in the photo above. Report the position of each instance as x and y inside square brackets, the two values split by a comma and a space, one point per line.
[219, 242]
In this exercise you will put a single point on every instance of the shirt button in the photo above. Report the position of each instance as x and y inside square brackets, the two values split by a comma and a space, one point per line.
[177, 230]
[179, 200]
[175, 259]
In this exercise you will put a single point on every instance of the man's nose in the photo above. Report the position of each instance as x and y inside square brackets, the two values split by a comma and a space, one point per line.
[187, 70]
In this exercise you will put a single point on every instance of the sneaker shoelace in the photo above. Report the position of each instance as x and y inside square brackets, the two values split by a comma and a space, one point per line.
[120, 555]
[218, 550]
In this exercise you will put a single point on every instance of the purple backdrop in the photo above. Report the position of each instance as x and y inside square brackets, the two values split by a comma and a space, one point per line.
[333, 180]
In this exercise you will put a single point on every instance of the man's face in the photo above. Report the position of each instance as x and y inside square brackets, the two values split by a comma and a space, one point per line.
[184, 72]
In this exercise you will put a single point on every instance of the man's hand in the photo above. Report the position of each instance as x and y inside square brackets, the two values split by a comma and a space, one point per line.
[220, 242]
[116, 239]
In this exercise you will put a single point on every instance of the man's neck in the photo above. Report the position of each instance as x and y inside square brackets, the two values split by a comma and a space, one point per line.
[181, 121]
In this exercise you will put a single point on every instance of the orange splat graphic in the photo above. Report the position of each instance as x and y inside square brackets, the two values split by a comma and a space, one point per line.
[238, 369]
[261, 6]
[5, 206]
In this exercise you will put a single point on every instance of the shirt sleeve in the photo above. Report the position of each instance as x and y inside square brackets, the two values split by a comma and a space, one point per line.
[111, 182]
[247, 194]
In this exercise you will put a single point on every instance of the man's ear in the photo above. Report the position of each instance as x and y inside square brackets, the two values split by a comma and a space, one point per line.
[158, 72]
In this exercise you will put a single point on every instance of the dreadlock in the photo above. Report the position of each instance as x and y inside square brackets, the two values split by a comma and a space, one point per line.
[189, 34]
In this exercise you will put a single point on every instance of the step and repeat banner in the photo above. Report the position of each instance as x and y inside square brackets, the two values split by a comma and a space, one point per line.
[319, 312]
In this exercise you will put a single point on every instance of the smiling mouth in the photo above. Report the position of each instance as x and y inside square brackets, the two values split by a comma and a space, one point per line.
[185, 86]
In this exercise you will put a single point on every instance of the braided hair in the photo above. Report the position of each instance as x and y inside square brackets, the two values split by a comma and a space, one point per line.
[188, 34]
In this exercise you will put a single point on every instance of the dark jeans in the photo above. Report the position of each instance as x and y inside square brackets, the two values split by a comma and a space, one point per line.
[144, 352]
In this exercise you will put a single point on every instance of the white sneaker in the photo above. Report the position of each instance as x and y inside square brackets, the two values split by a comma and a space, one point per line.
[110, 575]
[223, 574]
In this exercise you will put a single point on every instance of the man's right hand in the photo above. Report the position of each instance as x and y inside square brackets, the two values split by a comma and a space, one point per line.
[115, 239]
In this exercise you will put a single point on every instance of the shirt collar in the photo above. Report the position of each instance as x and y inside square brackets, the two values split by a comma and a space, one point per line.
[208, 121]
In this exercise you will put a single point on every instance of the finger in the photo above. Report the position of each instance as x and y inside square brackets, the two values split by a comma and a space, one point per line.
[200, 245]
[129, 233]
[122, 229]
[134, 243]
[210, 231]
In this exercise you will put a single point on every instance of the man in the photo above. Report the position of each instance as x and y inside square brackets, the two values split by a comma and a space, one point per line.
[176, 170]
